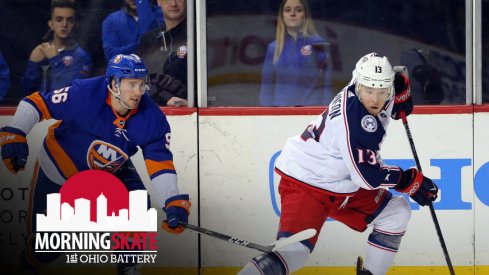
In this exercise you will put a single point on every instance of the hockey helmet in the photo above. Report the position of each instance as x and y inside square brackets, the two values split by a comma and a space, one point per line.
[374, 71]
[126, 66]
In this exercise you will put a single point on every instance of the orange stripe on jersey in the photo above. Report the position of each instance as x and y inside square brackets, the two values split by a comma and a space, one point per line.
[98, 157]
[37, 99]
[6, 138]
[156, 166]
[63, 161]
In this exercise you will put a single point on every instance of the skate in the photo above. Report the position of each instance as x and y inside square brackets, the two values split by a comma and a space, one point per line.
[360, 269]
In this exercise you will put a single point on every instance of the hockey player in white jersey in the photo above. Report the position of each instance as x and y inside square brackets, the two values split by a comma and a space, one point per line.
[334, 169]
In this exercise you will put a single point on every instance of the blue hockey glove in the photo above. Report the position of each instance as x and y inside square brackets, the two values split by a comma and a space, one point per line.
[420, 188]
[402, 99]
[14, 148]
[177, 209]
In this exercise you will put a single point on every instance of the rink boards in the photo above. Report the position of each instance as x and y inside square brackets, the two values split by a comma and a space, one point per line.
[224, 159]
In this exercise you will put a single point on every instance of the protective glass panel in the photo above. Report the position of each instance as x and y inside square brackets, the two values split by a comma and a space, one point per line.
[485, 51]
[35, 60]
[251, 62]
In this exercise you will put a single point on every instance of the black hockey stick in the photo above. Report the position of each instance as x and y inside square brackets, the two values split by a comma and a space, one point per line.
[303, 235]
[432, 209]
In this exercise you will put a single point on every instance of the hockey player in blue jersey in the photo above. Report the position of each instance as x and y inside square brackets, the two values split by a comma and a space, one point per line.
[110, 113]
[334, 169]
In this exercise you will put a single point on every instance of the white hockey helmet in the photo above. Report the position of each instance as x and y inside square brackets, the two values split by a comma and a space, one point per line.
[374, 71]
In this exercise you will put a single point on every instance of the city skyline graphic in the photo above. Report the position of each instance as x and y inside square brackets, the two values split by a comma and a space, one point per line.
[64, 217]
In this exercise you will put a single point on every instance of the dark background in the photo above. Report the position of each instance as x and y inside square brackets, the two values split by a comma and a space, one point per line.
[23, 23]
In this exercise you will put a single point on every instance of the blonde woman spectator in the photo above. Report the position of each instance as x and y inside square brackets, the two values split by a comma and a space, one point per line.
[296, 71]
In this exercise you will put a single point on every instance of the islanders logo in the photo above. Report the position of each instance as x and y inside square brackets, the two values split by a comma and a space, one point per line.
[67, 60]
[306, 50]
[95, 213]
[182, 51]
[105, 156]
[118, 58]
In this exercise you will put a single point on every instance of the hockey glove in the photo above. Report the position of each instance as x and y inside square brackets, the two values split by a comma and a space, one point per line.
[420, 188]
[402, 99]
[14, 148]
[177, 209]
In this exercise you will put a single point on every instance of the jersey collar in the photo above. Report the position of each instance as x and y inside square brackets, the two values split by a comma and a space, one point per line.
[119, 121]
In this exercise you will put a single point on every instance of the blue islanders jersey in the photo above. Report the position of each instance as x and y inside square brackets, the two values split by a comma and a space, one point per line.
[339, 151]
[89, 134]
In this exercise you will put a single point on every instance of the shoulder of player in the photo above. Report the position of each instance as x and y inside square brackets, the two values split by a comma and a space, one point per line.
[150, 120]
[88, 90]
[149, 111]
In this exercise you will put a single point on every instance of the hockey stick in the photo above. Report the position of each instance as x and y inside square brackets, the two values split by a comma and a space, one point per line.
[432, 209]
[303, 235]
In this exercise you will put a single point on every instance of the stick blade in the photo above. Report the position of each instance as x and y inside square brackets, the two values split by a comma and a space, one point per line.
[303, 235]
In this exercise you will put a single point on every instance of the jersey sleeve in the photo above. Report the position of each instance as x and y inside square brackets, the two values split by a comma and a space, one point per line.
[61, 104]
[156, 152]
[159, 163]
[360, 151]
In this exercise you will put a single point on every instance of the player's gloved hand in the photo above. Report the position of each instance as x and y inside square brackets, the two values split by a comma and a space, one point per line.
[177, 209]
[14, 148]
[402, 99]
[420, 188]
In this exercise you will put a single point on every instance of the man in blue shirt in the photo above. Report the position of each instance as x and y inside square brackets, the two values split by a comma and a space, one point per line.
[55, 64]
[122, 29]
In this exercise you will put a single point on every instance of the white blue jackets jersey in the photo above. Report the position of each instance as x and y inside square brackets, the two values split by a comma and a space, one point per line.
[339, 151]
[89, 134]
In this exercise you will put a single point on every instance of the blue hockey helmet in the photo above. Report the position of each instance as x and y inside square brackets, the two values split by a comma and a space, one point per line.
[125, 66]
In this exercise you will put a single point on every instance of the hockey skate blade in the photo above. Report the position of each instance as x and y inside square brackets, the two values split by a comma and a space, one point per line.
[303, 235]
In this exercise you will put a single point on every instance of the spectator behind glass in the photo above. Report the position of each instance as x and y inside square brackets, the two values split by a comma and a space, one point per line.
[426, 82]
[56, 63]
[164, 50]
[4, 77]
[122, 29]
[296, 71]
